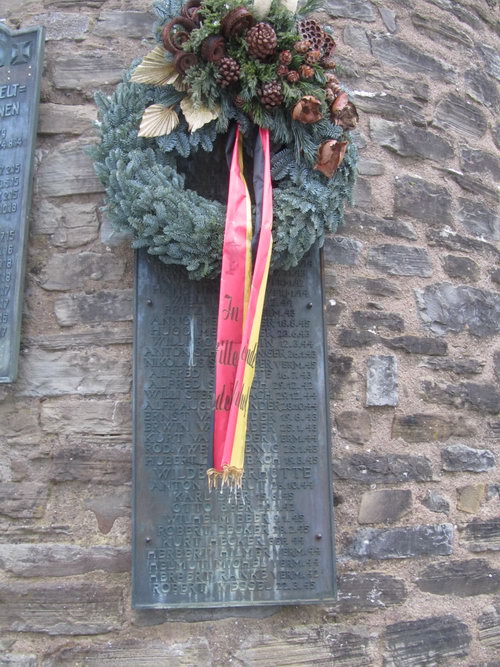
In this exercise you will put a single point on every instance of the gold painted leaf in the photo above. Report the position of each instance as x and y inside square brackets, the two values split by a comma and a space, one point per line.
[158, 120]
[196, 118]
[154, 69]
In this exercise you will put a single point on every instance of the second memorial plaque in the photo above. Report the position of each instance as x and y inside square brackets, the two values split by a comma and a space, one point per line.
[272, 542]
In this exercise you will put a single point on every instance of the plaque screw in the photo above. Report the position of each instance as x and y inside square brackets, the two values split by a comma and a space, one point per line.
[309, 305]
[319, 536]
[149, 302]
[148, 539]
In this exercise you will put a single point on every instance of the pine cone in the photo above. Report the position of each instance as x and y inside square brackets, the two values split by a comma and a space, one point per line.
[293, 76]
[312, 57]
[285, 57]
[238, 102]
[282, 70]
[229, 72]
[311, 30]
[306, 72]
[331, 78]
[303, 46]
[262, 41]
[271, 94]
[328, 63]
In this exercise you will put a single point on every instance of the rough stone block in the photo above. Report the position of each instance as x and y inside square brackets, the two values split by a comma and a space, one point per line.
[366, 319]
[400, 260]
[61, 560]
[66, 118]
[377, 468]
[92, 459]
[447, 238]
[23, 500]
[69, 225]
[481, 397]
[390, 107]
[99, 417]
[409, 141]
[389, 18]
[479, 220]
[476, 185]
[435, 502]
[462, 578]
[489, 625]
[66, 271]
[60, 609]
[109, 507]
[481, 88]
[422, 200]
[456, 114]
[63, 25]
[339, 368]
[19, 422]
[407, 542]
[103, 306]
[382, 380]
[480, 162]
[367, 167]
[491, 59]
[461, 268]
[354, 425]
[461, 457]
[427, 641]
[67, 170]
[88, 70]
[376, 286]
[367, 592]
[362, 194]
[480, 535]
[384, 505]
[351, 9]
[423, 427]
[356, 37]
[97, 371]
[444, 307]
[440, 31]
[398, 53]
[471, 497]
[342, 250]
[361, 223]
[131, 24]
[353, 338]
[333, 310]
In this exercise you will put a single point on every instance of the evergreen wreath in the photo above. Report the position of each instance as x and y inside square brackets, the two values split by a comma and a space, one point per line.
[217, 65]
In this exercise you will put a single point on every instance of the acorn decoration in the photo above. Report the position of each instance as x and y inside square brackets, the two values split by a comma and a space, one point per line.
[262, 41]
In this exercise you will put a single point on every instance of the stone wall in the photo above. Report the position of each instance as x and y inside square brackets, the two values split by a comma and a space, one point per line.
[413, 309]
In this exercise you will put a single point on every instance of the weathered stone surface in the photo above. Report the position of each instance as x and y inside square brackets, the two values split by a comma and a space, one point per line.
[65, 118]
[476, 185]
[67, 170]
[422, 200]
[44, 373]
[111, 236]
[376, 286]
[447, 238]
[102, 417]
[108, 508]
[69, 225]
[63, 25]
[135, 25]
[333, 310]
[398, 53]
[353, 338]
[98, 337]
[20, 422]
[435, 502]
[23, 500]
[471, 497]
[494, 427]
[55, 609]
[482, 535]
[88, 70]
[417, 345]
[480, 162]
[400, 260]
[354, 425]
[384, 505]
[377, 468]
[491, 59]
[441, 31]
[462, 268]
[103, 306]
[355, 36]
[461, 578]
[481, 88]
[366, 319]
[461, 457]
[409, 141]
[495, 131]
[407, 542]
[134, 653]
[339, 368]
[489, 625]
[351, 9]
[92, 459]
[481, 397]
[359, 222]
[390, 106]
[18, 660]
[152, 617]
[479, 220]
[65, 271]
[389, 18]
[367, 592]
[382, 380]
[456, 114]
[342, 250]
[458, 366]
[64, 4]
[495, 276]
[428, 641]
[367, 167]
[61, 560]
[422, 427]
[496, 364]
[362, 194]
[444, 307]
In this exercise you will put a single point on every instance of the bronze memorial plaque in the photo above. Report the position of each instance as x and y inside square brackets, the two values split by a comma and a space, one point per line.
[272, 542]
[21, 64]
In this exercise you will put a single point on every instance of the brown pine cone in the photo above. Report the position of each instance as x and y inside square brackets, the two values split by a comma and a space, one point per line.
[261, 40]
[312, 57]
[306, 72]
[293, 76]
[285, 57]
[328, 63]
[311, 30]
[271, 94]
[303, 46]
[331, 78]
[282, 70]
[229, 72]
[238, 102]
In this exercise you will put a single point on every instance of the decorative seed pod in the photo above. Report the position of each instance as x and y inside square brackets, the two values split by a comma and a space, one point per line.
[176, 33]
[282, 70]
[329, 45]
[306, 72]
[340, 102]
[307, 110]
[311, 30]
[330, 156]
[191, 11]
[328, 63]
[312, 57]
[183, 60]
[303, 46]
[293, 76]
[213, 48]
[236, 22]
